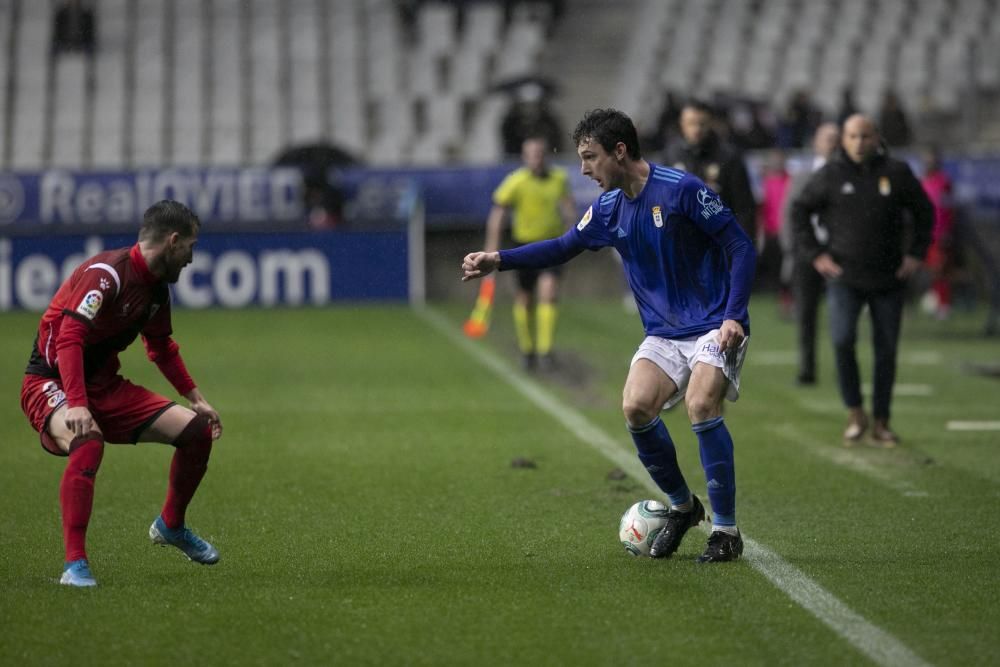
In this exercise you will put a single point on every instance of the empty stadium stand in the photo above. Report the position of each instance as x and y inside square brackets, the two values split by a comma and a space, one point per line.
[233, 82]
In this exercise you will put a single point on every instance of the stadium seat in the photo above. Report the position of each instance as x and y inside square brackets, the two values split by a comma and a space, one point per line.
[31, 98]
[69, 106]
[187, 106]
[227, 85]
[6, 35]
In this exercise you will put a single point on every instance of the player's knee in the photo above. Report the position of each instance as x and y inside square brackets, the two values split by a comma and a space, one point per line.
[197, 435]
[637, 411]
[702, 408]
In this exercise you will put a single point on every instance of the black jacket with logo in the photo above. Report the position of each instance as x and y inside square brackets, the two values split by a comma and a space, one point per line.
[722, 168]
[862, 205]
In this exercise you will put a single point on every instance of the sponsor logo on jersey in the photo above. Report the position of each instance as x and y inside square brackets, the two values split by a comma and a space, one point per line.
[153, 308]
[884, 188]
[104, 284]
[712, 349]
[56, 396]
[621, 233]
[585, 220]
[657, 216]
[847, 189]
[91, 303]
[710, 203]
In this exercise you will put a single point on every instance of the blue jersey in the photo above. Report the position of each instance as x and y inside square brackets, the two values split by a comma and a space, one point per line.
[687, 260]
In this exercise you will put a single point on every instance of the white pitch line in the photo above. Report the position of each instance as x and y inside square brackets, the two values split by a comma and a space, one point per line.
[973, 426]
[880, 646]
[921, 358]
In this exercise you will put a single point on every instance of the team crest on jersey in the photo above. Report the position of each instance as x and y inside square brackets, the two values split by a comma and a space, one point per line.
[710, 203]
[657, 216]
[884, 188]
[585, 220]
[91, 303]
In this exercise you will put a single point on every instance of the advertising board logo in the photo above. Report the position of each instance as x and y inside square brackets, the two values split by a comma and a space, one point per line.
[11, 198]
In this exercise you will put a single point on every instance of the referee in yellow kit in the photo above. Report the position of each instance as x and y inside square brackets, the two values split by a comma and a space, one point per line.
[538, 197]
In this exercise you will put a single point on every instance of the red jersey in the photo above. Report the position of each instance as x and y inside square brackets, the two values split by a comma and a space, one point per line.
[99, 311]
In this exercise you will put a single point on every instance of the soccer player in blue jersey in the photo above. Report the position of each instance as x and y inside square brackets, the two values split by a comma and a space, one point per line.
[690, 267]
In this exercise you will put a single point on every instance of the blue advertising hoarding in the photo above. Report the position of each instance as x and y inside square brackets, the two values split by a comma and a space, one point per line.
[65, 201]
[228, 270]
[58, 198]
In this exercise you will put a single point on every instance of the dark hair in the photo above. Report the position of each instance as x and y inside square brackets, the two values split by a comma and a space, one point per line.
[696, 104]
[608, 127]
[166, 217]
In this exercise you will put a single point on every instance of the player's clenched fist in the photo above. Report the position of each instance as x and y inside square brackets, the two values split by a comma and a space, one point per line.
[479, 264]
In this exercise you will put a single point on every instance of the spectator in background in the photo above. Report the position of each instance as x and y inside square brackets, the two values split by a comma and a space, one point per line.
[893, 121]
[665, 130]
[807, 283]
[774, 186]
[529, 115]
[862, 196]
[538, 198]
[702, 152]
[940, 256]
[800, 120]
[73, 28]
[752, 125]
[848, 107]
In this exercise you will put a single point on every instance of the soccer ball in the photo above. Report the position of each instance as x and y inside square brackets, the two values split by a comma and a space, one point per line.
[640, 524]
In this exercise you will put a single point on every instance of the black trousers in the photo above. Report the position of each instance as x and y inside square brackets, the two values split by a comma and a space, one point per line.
[807, 290]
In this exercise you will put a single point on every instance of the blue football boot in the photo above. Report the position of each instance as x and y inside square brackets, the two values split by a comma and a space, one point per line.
[193, 546]
[77, 573]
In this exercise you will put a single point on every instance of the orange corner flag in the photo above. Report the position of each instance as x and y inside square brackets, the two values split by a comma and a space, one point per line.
[479, 321]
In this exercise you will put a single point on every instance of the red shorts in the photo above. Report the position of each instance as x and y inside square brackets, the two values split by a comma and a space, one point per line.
[121, 409]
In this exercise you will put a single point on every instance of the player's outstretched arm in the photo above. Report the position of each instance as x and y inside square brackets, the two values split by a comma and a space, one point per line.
[201, 406]
[479, 264]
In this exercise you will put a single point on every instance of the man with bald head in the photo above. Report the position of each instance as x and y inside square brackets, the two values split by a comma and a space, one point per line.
[860, 196]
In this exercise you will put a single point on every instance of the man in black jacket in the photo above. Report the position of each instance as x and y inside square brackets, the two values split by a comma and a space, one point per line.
[700, 151]
[860, 196]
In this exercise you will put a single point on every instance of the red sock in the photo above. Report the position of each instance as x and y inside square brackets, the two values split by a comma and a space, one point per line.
[76, 494]
[943, 290]
[194, 445]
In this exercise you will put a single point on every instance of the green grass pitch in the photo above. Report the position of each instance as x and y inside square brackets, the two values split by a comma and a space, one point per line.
[367, 512]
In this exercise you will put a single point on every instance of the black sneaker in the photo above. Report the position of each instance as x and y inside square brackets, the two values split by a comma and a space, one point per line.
[678, 523]
[722, 547]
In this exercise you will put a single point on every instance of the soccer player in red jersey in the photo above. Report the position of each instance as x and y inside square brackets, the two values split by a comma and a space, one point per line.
[75, 398]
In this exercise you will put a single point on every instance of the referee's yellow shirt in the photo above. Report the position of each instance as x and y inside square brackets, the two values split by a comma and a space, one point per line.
[534, 203]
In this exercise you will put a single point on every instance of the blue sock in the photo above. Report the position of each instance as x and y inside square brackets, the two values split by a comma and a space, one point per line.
[716, 447]
[657, 453]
